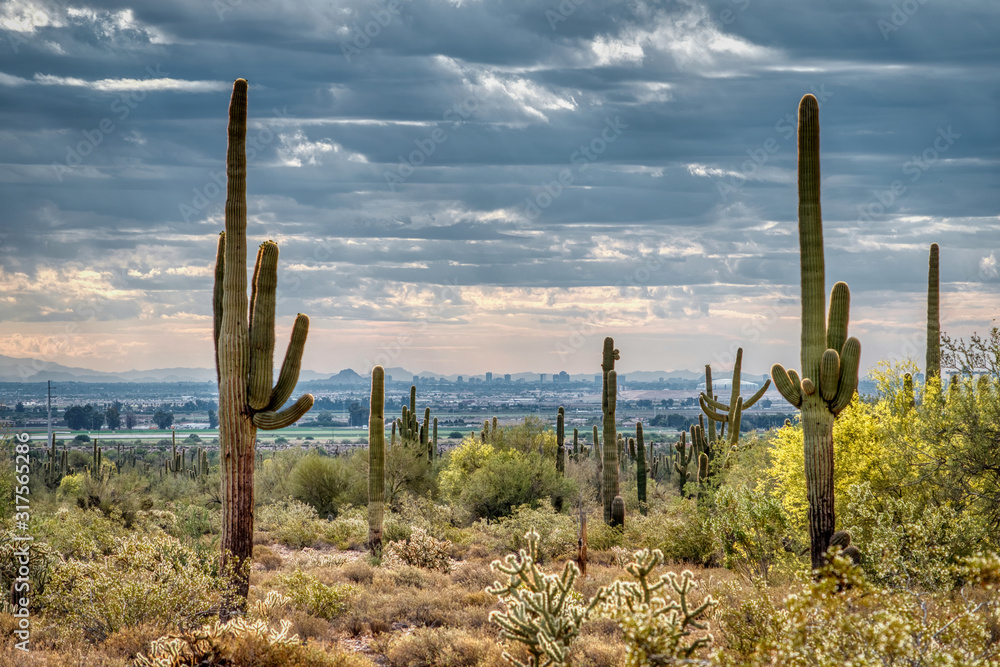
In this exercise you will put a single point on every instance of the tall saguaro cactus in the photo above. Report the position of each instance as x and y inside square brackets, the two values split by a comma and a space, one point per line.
[829, 358]
[376, 461]
[731, 413]
[933, 316]
[609, 398]
[244, 338]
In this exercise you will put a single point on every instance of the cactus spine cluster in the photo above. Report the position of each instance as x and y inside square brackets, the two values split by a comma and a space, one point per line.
[829, 358]
[244, 337]
[933, 316]
[376, 461]
[609, 398]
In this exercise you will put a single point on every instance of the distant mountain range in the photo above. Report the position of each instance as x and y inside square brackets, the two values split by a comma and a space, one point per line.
[13, 369]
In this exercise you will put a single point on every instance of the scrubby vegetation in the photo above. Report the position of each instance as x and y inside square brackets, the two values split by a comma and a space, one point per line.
[109, 578]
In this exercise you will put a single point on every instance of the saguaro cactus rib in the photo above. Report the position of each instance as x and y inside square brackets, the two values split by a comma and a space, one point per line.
[933, 315]
[376, 460]
[830, 359]
[244, 337]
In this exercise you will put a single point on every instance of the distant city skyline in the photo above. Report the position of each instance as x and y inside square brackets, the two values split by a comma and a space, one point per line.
[477, 187]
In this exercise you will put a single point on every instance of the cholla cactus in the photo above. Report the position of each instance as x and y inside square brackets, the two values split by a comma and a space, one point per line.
[656, 629]
[543, 612]
[213, 644]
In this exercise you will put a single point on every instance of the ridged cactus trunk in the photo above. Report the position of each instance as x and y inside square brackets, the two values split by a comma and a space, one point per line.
[829, 358]
[640, 467]
[376, 461]
[244, 338]
[609, 398]
[933, 317]
[561, 440]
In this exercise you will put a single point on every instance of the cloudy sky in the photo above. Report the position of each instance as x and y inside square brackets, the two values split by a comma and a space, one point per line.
[473, 185]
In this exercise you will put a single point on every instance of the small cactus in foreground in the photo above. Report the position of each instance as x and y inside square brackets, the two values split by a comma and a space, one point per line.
[541, 612]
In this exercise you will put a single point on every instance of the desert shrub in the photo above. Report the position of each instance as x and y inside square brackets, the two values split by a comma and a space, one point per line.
[322, 482]
[557, 533]
[749, 528]
[313, 597]
[266, 557]
[145, 579]
[745, 619]
[419, 550]
[841, 619]
[678, 528]
[906, 545]
[273, 478]
[80, 534]
[349, 530]
[71, 486]
[505, 479]
[41, 560]
[242, 643]
[119, 494]
[289, 522]
[442, 647]
[438, 519]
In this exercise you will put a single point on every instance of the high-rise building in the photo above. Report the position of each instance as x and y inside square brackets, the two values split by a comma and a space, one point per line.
[489, 377]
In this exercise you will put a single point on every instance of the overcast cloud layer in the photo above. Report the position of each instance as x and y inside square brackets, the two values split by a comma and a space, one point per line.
[411, 176]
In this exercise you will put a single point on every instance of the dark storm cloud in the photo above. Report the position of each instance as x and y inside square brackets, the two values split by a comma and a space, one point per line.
[518, 144]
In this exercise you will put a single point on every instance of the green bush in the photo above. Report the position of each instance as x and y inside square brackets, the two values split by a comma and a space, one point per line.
[322, 482]
[906, 545]
[145, 579]
[557, 533]
[490, 481]
[289, 522]
[841, 619]
[313, 597]
[749, 528]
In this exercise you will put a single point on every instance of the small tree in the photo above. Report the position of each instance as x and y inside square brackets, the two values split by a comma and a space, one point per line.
[113, 418]
[163, 419]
